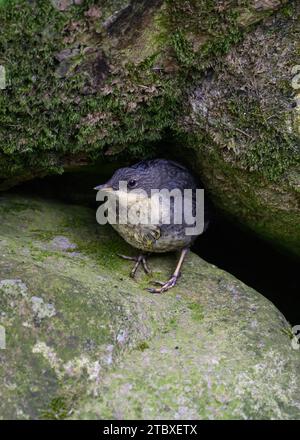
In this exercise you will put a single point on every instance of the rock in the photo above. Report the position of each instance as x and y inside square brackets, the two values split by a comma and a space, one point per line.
[123, 58]
[83, 340]
[117, 79]
[246, 132]
[94, 12]
[40, 309]
[62, 5]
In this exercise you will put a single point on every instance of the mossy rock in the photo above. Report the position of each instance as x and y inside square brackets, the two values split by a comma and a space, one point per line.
[107, 80]
[83, 340]
[89, 78]
[242, 128]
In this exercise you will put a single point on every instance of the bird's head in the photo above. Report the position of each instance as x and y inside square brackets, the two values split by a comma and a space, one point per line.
[145, 175]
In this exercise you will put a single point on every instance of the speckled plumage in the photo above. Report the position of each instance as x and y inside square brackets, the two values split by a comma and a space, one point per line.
[160, 236]
[158, 174]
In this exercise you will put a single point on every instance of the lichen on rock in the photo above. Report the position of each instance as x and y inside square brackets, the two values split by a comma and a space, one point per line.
[84, 340]
[241, 127]
[206, 81]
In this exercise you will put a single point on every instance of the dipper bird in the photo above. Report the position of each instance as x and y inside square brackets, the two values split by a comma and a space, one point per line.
[159, 235]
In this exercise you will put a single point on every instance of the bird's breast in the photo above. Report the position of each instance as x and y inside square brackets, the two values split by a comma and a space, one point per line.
[139, 230]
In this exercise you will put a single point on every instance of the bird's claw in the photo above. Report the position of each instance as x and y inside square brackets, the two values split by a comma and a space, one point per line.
[127, 257]
[158, 283]
[164, 286]
[140, 259]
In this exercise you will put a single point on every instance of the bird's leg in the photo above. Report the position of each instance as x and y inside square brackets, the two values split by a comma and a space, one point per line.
[173, 280]
[147, 270]
[140, 259]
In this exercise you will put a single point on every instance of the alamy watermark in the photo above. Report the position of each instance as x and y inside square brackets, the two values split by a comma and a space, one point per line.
[296, 77]
[162, 206]
[2, 338]
[296, 338]
[2, 77]
[296, 86]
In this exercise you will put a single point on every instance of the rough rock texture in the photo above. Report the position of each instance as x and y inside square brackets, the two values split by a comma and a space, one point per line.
[83, 340]
[107, 80]
[89, 77]
[245, 121]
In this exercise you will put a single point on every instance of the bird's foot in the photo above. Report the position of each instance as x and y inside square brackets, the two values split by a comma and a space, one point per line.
[140, 259]
[164, 286]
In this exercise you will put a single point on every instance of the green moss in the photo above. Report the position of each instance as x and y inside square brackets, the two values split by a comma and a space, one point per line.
[104, 255]
[250, 199]
[56, 107]
[206, 30]
[57, 410]
[28, 41]
[49, 113]
[288, 9]
[197, 311]
[170, 325]
[223, 43]
[270, 149]
[288, 332]
[17, 207]
[183, 49]
[114, 351]
[56, 110]
[142, 346]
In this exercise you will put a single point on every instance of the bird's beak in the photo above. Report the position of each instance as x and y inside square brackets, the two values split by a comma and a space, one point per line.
[105, 187]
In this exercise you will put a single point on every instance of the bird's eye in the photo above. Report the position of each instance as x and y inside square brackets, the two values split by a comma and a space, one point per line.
[131, 183]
